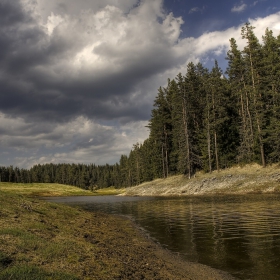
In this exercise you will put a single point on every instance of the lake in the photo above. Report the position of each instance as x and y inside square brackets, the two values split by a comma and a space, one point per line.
[239, 234]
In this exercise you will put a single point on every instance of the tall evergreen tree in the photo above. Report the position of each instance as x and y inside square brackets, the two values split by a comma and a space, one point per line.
[253, 62]
[237, 71]
[271, 87]
[160, 131]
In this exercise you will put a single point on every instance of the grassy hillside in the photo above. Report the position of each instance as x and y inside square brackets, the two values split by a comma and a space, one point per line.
[34, 238]
[236, 180]
[48, 189]
[41, 240]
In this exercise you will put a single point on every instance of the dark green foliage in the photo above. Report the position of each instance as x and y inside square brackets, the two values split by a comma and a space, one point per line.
[271, 86]
[161, 130]
[202, 120]
[26, 272]
[5, 260]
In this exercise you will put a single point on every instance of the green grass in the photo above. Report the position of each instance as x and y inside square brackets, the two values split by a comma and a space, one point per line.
[42, 189]
[5, 260]
[51, 189]
[34, 239]
[28, 272]
[42, 240]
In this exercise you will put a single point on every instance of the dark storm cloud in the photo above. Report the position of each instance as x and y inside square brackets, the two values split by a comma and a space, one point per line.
[63, 72]
[11, 12]
[36, 81]
[76, 78]
[19, 38]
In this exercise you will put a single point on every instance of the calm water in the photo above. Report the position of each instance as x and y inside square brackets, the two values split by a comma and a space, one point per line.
[238, 234]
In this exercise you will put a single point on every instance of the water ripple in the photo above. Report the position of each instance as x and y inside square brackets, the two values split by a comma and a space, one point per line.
[239, 234]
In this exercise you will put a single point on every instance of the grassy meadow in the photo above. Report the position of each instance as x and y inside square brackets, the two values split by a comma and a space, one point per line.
[52, 189]
[42, 240]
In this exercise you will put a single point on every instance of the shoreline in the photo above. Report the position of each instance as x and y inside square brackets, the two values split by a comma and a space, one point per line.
[236, 180]
[44, 240]
[160, 263]
[63, 242]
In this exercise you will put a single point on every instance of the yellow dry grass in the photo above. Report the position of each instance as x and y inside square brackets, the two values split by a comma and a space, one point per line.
[51, 189]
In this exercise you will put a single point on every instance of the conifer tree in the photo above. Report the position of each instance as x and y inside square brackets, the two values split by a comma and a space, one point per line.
[236, 72]
[185, 120]
[253, 62]
[160, 127]
[271, 87]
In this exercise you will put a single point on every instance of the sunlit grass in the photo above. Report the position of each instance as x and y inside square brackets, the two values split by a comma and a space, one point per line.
[27, 272]
[42, 189]
[108, 191]
[42, 240]
[45, 240]
[51, 189]
[251, 178]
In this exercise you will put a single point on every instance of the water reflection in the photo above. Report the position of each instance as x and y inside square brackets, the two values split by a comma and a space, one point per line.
[239, 234]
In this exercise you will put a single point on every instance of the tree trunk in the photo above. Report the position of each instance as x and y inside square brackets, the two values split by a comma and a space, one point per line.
[186, 138]
[216, 151]
[208, 137]
[256, 111]
[162, 156]
[166, 151]
[215, 134]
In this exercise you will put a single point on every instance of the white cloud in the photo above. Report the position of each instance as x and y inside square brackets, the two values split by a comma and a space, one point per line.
[277, 26]
[44, 8]
[196, 9]
[53, 22]
[193, 10]
[239, 9]
[80, 140]
[218, 42]
[98, 43]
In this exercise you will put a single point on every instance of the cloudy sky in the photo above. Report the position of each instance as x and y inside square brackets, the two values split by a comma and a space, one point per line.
[78, 78]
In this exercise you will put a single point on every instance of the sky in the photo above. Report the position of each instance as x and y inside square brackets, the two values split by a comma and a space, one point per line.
[78, 78]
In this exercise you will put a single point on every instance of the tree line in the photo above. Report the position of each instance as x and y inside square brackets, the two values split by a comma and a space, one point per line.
[81, 175]
[203, 120]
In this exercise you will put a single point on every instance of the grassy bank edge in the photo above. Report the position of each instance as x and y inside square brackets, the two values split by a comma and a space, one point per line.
[35, 235]
[43, 240]
[53, 189]
[245, 179]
